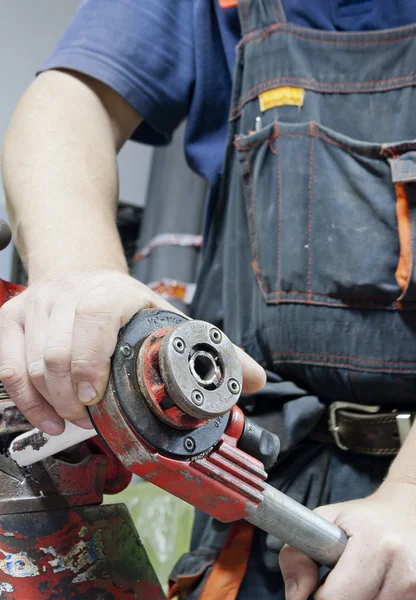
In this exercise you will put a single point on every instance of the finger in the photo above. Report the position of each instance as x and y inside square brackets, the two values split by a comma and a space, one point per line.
[57, 373]
[156, 301]
[36, 325]
[400, 581]
[254, 376]
[98, 319]
[360, 570]
[16, 380]
[300, 573]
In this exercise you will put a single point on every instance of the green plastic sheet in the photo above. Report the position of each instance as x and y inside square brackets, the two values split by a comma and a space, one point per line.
[164, 524]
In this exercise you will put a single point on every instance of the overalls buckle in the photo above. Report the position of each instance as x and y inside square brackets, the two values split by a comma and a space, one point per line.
[333, 424]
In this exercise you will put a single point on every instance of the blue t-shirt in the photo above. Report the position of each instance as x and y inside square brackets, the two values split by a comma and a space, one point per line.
[172, 59]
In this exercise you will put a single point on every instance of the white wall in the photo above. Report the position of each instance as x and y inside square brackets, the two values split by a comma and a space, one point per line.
[29, 30]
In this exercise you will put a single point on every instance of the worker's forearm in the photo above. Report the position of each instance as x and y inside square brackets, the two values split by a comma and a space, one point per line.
[60, 178]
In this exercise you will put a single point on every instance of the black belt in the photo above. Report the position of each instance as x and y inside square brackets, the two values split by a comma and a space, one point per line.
[364, 429]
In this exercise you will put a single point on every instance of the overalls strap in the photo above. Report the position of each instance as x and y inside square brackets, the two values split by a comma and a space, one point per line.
[259, 14]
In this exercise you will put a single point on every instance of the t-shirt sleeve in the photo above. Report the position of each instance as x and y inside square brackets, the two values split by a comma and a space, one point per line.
[143, 49]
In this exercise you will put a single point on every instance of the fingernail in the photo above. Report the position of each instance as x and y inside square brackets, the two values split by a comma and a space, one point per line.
[84, 423]
[52, 427]
[86, 393]
[291, 588]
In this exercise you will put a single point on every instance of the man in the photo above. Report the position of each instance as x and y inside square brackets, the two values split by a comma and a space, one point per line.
[308, 239]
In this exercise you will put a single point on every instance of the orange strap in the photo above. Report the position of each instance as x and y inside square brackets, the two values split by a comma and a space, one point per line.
[404, 266]
[227, 3]
[225, 579]
[173, 591]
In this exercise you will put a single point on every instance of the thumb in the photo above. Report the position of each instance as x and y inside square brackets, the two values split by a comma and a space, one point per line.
[254, 376]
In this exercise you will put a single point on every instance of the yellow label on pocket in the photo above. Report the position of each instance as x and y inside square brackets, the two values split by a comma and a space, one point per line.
[282, 96]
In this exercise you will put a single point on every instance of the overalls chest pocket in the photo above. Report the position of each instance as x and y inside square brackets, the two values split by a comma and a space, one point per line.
[331, 219]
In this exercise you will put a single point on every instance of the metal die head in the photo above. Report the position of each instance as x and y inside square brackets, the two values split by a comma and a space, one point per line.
[153, 389]
[128, 417]
[198, 379]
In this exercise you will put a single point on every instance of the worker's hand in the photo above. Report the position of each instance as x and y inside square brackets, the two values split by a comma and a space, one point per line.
[57, 338]
[379, 562]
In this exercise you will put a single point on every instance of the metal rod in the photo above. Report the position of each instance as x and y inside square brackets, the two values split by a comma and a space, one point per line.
[299, 527]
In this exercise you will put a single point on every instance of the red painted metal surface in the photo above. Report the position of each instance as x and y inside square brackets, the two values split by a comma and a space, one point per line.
[116, 477]
[153, 387]
[56, 541]
[9, 290]
[89, 553]
[79, 553]
[221, 484]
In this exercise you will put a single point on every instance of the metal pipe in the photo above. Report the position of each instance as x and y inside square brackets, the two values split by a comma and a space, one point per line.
[299, 527]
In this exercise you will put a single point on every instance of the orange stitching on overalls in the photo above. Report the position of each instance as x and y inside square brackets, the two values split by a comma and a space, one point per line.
[397, 166]
[276, 131]
[240, 144]
[319, 86]
[346, 147]
[278, 293]
[252, 222]
[244, 147]
[248, 14]
[253, 231]
[335, 302]
[344, 366]
[273, 137]
[257, 273]
[402, 173]
[347, 299]
[287, 29]
[346, 357]
[285, 297]
[251, 214]
[327, 84]
[262, 33]
[311, 159]
[408, 174]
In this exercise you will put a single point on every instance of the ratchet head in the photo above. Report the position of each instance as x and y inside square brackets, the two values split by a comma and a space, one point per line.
[175, 380]
[199, 368]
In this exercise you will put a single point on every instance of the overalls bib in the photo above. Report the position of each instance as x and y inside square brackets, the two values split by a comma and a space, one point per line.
[310, 260]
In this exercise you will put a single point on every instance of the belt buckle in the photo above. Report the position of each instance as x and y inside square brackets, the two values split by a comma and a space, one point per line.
[333, 423]
[404, 425]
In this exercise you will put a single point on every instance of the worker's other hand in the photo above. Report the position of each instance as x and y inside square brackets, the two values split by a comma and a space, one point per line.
[379, 562]
[57, 339]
